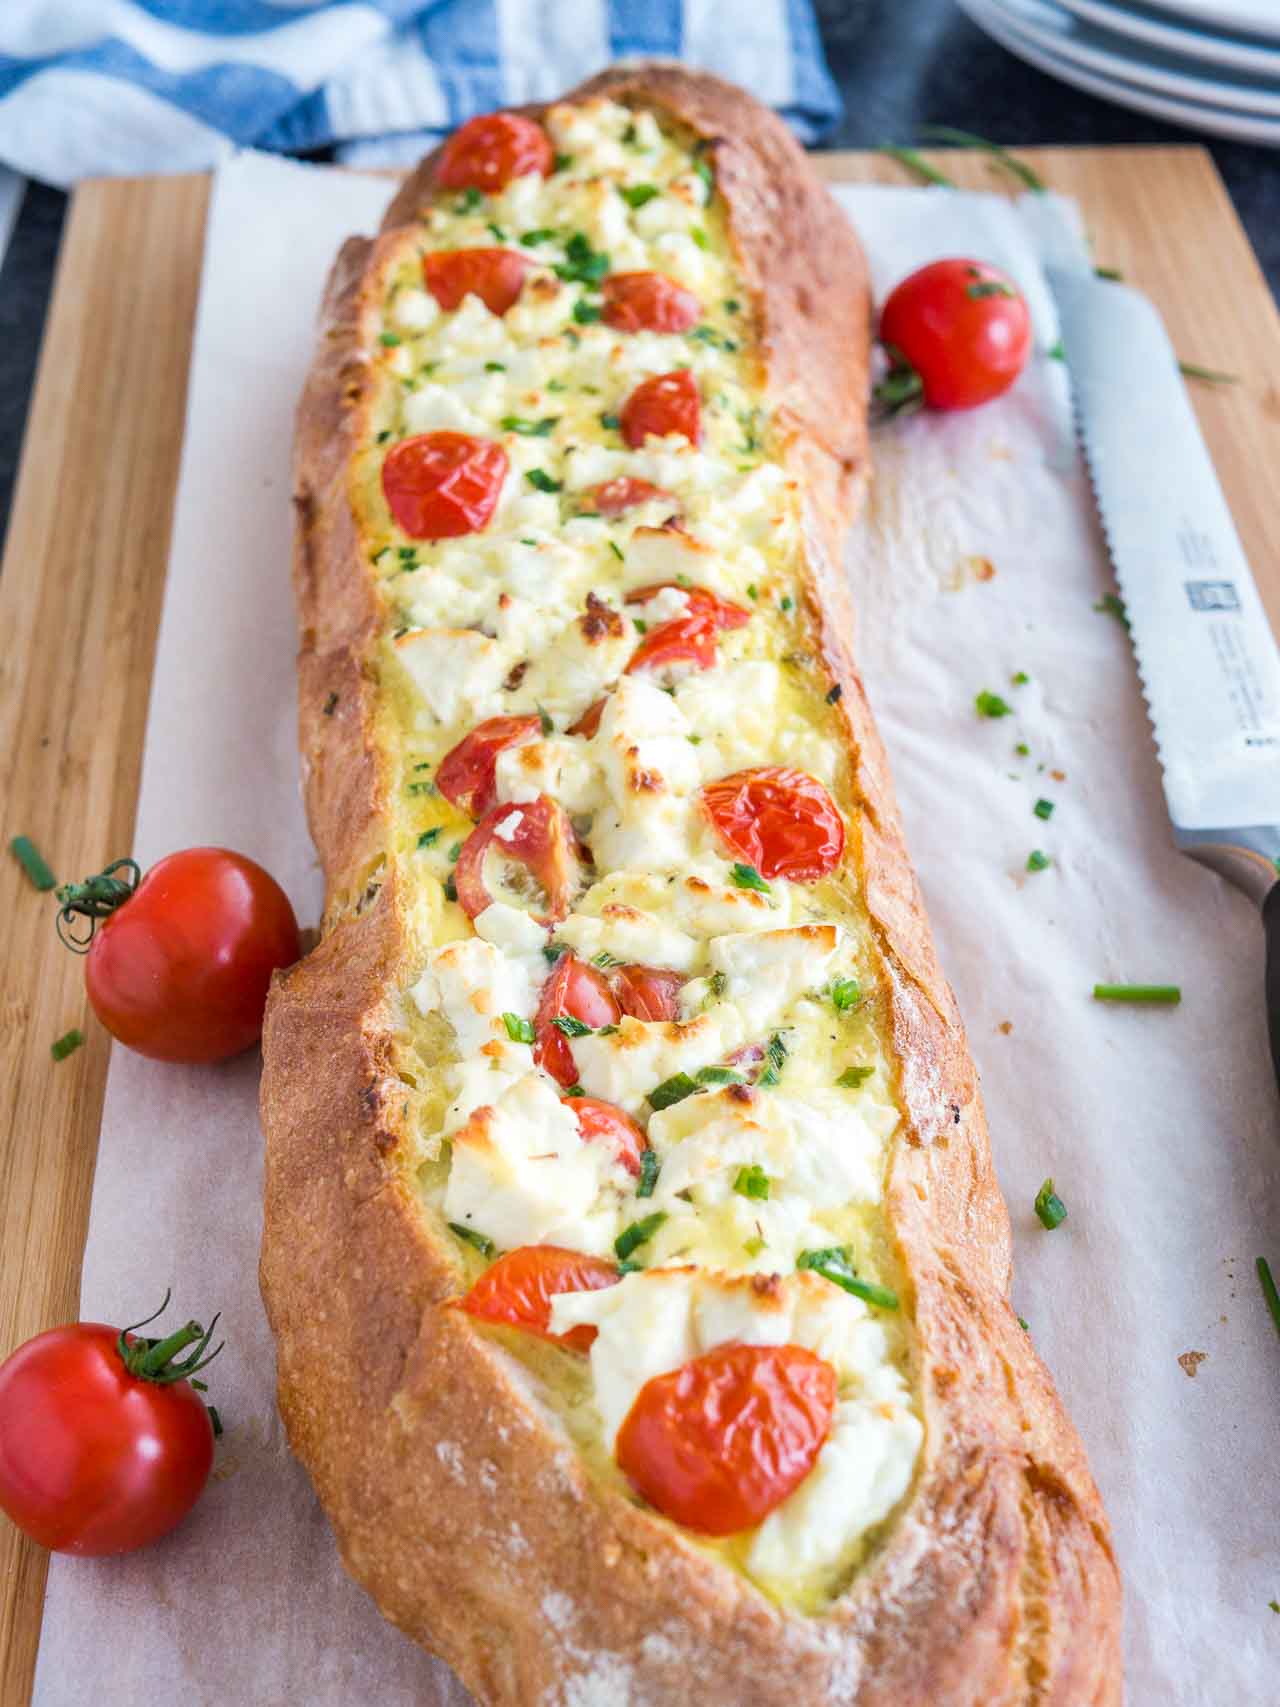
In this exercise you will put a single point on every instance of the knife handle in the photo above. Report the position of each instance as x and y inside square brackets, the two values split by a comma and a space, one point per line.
[1271, 924]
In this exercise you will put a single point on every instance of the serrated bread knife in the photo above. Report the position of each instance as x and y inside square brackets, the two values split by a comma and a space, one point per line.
[1208, 660]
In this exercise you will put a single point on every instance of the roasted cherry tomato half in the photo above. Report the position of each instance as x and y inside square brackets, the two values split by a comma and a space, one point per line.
[537, 836]
[487, 152]
[178, 964]
[647, 992]
[440, 485]
[104, 1444]
[783, 822]
[467, 772]
[622, 493]
[963, 327]
[516, 1291]
[684, 640]
[575, 990]
[720, 1442]
[589, 723]
[702, 602]
[648, 302]
[667, 403]
[496, 276]
[605, 1123]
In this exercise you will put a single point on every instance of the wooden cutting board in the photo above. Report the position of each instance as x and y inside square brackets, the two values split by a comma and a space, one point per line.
[83, 579]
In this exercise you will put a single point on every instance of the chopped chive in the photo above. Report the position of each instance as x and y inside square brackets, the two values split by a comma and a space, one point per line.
[382, 438]
[604, 960]
[66, 1045]
[753, 1246]
[469, 200]
[1002, 156]
[718, 1076]
[616, 549]
[835, 1263]
[1212, 376]
[611, 421]
[636, 195]
[529, 429]
[915, 162]
[416, 788]
[752, 1182]
[704, 242]
[637, 1234]
[31, 860]
[569, 1025]
[753, 592]
[469, 1236]
[988, 704]
[786, 602]
[1268, 1285]
[649, 1168]
[776, 1056]
[747, 877]
[731, 305]
[562, 162]
[450, 889]
[553, 950]
[495, 367]
[718, 983]
[586, 313]
[531, 239]
[428, 837]
[1112, 273]
[1110, 605]
[544, 722]
[672, 1090]
[518, 1030]
[1050, 1207]
[582, 264]
[575, 1091]
[640, 625]
[1038, 861]
[1024, 1324]
[1022, 749]
[390, 339]
[846, 993]
[499, 235]
[539, 478]
[853, 1077]
[1056, 353]
[1020, 678]
[1043, 809]
[1160, 995]
[979, 288]
[705, 171]
[455, 850]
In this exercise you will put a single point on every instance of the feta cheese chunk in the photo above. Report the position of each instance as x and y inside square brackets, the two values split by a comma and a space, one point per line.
[623, 1066]
[765, 971]
[456, 672]
[473, 984]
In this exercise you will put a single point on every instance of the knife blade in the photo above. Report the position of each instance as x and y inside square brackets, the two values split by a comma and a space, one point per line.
[1206, 655]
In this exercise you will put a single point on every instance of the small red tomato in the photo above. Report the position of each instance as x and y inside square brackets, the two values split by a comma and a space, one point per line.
[536, 835]
[783, 822]
[607, 1123]
[467, 772]
[684, 640]
[589, 722]
[575, 990]
[963, 327]
[496, 276]
[623, 493]
[104, 1446]
[667, 403]
[441, 485]
[647, 992]
[516, 1291]
[648, 302]
[179, 966]
[720, 1442]
[702, 602]
[488, 151]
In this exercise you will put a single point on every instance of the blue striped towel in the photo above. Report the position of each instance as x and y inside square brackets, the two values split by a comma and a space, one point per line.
[104, 87]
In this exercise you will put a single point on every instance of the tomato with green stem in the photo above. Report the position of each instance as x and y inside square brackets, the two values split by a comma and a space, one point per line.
[179, 962]
[105, 1443]
[957, 333]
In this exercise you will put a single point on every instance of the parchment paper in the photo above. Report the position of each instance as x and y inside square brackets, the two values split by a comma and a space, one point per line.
[979, 558]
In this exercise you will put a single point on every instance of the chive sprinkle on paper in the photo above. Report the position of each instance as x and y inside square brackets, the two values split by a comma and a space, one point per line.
[1157, 995]
[66, 1045]
[1050, 1207]
[1268, 1285]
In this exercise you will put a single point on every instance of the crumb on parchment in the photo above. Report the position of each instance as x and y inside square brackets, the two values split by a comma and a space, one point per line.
[1191, 1361]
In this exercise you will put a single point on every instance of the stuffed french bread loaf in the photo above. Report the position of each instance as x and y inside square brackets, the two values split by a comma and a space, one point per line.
[637, 1268]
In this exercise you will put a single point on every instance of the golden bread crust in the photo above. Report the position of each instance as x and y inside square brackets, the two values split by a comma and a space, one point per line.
[456, 1496]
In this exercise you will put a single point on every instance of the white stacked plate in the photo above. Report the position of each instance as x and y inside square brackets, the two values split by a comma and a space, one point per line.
[1213, 65]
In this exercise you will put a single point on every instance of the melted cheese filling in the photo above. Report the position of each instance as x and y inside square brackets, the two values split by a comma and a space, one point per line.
[498, 622]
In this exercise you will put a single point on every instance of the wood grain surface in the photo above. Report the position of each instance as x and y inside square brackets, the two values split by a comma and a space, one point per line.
[83, 579]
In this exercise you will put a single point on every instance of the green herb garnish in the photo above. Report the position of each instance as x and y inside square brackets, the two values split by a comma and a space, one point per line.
[672, 1090]
[1038, 861]
[638, 1233]
[1269, 1292]
[469, 200]
[616, 549]
[1159, 995]
[853, 1077]
[915, 162]
[529, 429]
[776, 1055]
[1050, 1207]
[553, 950]
[542, 480]
[1043, 809]
[562, 162]
[1212, 376]
[979, 288]
[582, 264]
[611, 421]
[747, 877]
[495, 367]
[428, 837]
[846, 993]
[31, 860]
[988, 704]
[835, 1263]
[586, 313]
[1002, 156]
[389, 339]
[752, 1182]
[1020, 678]
[570, 1026]
[636, 195]
[1110, 605]
[66, 1045]
[469, 1236]
[531, 239]
[518, 1030]
[719, 1076]
[649, 1169]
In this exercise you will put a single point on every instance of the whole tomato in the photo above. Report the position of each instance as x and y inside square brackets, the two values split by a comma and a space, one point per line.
[959, 334]
[104, 1443]
[179, 963]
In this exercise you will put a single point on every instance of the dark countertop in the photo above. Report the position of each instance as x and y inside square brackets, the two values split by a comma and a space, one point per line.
[899, 63]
